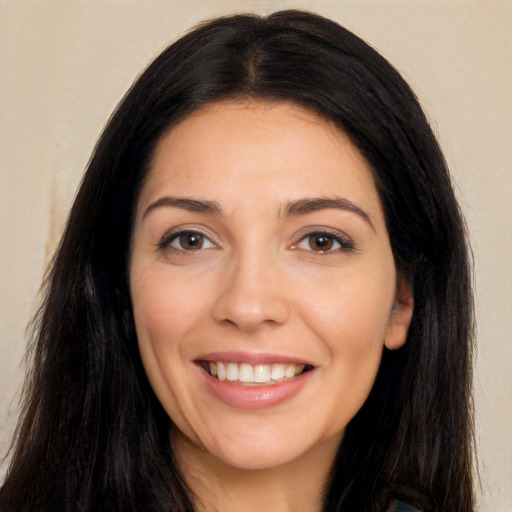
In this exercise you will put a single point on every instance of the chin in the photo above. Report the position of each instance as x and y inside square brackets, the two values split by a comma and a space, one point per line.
[257, 460]
[262, 450]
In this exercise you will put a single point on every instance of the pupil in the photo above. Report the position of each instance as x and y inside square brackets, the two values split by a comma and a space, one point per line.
[321, 242]
[191, 241]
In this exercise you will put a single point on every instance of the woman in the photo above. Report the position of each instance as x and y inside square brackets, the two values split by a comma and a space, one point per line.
[262, 297]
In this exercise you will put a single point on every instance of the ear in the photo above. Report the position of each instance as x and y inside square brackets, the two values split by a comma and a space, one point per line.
[400, 318]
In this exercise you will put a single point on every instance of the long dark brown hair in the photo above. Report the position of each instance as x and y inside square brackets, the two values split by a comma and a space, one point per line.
[93, 436]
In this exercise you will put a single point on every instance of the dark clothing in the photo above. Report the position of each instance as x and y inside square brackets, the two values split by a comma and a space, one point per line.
[401, 506]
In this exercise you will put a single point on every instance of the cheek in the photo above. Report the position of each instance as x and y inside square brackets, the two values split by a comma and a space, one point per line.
[164, 310]
[353, 312]
[162, 318]
[351, 320]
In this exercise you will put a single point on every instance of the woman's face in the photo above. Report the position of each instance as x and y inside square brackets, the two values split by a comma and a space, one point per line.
[262, 281]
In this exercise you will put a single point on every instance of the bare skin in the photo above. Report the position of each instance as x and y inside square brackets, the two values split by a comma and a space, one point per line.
[294, 486]
[260, 246]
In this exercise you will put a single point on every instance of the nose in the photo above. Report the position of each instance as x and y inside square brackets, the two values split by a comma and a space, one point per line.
[252, 295]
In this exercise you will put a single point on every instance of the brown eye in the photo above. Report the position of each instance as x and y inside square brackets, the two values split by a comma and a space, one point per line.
[324, 242]
[191, 241]
[321, 242]
[186, 241]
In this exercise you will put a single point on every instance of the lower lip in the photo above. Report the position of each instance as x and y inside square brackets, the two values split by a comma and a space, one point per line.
[255, 397]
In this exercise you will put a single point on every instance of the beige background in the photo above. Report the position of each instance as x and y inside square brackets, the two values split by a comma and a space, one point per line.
[65, 64]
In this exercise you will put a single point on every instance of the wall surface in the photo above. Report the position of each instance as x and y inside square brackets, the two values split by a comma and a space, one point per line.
[65, 64]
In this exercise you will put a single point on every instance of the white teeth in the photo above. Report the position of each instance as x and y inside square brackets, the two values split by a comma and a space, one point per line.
[290, 371]
[221, 371]
[232, 372]
[248, 374]
[277, 371]
[262, 373]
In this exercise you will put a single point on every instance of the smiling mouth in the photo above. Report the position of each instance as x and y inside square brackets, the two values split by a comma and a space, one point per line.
[254, 375]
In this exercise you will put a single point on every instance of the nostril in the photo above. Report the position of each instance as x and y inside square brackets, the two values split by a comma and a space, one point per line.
[250, 313]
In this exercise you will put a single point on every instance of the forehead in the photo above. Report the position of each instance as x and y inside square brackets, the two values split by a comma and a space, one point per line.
[279, 151]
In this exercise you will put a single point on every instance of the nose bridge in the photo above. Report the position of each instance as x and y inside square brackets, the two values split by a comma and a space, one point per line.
[252, 295]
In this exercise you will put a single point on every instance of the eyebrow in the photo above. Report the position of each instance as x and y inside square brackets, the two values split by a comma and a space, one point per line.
[291, 209]
[310, 205]
[191, 205]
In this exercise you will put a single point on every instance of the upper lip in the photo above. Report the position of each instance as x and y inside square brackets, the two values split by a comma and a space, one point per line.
[252, 358]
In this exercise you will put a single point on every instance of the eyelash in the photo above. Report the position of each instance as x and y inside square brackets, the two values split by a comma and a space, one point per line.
[344, 243]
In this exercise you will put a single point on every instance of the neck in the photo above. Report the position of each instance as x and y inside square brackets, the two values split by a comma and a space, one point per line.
[296, 486]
